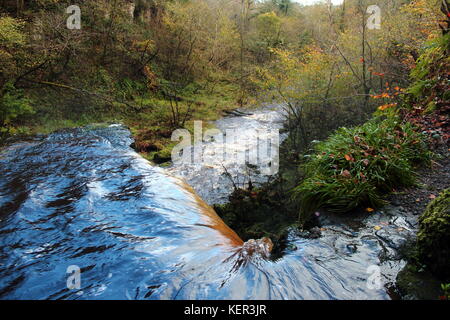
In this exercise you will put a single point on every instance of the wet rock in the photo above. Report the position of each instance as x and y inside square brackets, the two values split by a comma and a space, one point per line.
[315, 233]
[352, 248]
[261, 247]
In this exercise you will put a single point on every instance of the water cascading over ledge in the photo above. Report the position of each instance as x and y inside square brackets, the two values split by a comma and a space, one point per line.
[84, 198]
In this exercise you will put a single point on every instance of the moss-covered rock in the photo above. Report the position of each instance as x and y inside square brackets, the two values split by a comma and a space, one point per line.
[433, 239]
[417, 284]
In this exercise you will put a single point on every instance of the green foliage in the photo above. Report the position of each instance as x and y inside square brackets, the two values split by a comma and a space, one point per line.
[434, 51]
[12, 40]
[126, 88]
[432, 63]
[418, 88]
[11, 32]
[446, 289]
[433, 238]
[268, 26]
[13, 105]
[356, 166]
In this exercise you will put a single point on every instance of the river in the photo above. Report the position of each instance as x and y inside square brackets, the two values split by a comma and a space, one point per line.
[83, 199]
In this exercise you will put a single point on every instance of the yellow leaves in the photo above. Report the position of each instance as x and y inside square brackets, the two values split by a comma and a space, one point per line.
[297, 75]
[152, 80]
[145, 45]
[11, 32]
[268, 25]
[370, 210]
[377, 228]
[3, 56]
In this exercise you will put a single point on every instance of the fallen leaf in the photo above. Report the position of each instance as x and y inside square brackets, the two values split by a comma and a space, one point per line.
[346, 173]
[432, 196]
[369, 209]
[377, 228]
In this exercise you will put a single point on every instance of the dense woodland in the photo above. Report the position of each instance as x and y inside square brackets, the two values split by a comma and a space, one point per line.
[159, 64]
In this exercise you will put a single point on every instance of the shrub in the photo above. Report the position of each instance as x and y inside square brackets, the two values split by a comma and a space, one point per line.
[428, 76]
[12, 106]
[356, 166]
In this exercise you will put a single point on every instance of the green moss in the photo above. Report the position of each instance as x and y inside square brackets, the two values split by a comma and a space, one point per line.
[165, 154]
[433, 239]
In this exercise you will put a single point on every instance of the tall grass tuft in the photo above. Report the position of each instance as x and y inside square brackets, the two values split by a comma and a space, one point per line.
[355, 166]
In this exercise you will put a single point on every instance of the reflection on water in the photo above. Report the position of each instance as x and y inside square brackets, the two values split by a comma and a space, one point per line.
[83, 197]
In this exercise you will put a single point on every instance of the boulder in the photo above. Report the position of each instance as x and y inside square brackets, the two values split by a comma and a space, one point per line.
[433, 239]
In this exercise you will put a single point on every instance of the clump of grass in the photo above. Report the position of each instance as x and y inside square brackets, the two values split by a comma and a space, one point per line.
[355, 166]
